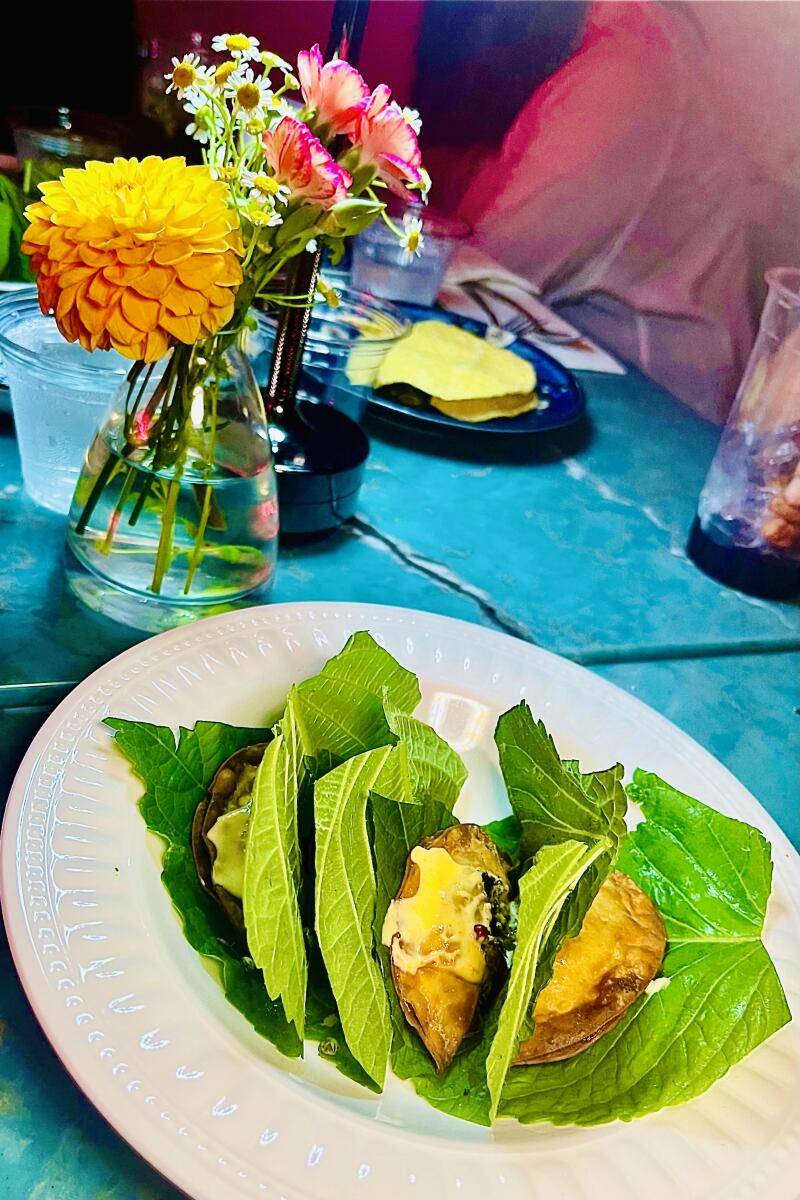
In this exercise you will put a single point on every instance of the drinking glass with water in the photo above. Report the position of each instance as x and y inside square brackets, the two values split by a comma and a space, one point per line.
[384, 266]
[59, 392]
[747, 530]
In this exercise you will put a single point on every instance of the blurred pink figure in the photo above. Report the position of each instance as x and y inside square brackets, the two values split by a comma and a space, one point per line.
[617, 196]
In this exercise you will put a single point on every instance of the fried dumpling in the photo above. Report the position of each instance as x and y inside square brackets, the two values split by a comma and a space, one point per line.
[599, 973]
[444, 932]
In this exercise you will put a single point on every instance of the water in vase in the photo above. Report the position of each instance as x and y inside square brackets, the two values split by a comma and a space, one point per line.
[223, 539]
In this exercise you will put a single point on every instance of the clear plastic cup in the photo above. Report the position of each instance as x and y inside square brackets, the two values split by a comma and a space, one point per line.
[382, 266]
[59, 395]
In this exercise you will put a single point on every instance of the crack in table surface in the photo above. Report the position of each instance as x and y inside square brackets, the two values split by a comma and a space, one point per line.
[579, 553]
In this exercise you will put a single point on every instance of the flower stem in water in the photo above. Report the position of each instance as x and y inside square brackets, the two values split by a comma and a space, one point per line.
[95, 494]
[136, 511]
[108, 540]
[164, 552]
[197, 551]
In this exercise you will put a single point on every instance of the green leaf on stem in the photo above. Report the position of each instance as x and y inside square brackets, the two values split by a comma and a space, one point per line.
[353, 215]
[301, 221]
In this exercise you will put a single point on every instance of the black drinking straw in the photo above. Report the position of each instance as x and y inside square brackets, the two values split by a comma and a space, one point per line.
[347, 30]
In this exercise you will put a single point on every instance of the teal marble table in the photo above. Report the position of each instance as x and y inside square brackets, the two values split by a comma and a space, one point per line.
[577, 547]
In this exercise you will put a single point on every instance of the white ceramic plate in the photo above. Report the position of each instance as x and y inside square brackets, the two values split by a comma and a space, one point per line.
[144, 1028]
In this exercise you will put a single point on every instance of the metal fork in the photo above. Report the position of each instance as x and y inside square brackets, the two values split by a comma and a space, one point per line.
[495, 334]
[521, 325]
[524, 324]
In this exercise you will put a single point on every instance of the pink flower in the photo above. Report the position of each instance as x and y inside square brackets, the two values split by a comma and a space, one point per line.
[333, 90]
[141, 427]
[387, 141]
[300, 160]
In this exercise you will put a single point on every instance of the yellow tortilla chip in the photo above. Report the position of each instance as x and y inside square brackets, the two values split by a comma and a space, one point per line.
[487, 409]
[451, 364]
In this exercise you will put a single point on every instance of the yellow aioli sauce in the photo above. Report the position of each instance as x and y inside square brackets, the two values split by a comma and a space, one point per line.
[229, 835]
[437, 925]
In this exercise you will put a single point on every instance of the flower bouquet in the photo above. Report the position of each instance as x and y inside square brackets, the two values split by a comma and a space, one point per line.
[164, 263]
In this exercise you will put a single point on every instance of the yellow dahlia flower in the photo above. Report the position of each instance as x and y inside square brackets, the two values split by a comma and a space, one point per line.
[135, 255]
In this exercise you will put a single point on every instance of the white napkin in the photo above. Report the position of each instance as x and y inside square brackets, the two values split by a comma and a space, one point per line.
[473, 266]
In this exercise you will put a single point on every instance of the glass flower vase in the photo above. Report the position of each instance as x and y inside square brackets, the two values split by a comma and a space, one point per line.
[175, 512]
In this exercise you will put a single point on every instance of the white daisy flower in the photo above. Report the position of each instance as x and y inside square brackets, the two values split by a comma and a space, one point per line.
[197, 106]
[194, 101]
[254, 127]
[252, 93]
[197, 129]
[412, 240]
[219, 168]
[265, 189]
[272, 61]
[263, 216]
[193, 130]
[412, 118]
[423, 187]
[227, 75]
[281, 107]
[186, 73]
[238, 45]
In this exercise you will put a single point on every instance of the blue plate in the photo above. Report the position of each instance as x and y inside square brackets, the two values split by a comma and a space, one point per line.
[561, 396]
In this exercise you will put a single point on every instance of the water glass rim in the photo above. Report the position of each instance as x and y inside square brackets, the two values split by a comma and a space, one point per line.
[22, 304]
[438, 226]
[355, 311]
[785, 282]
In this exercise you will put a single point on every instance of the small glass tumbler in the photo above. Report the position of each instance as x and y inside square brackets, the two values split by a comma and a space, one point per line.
[59, 393]
[747, 530]
[382, 265]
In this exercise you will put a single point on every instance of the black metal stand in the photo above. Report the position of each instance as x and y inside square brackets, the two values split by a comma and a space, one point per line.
[319, 452]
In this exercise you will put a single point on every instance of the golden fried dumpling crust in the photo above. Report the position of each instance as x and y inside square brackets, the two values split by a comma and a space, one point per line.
[599, 973]
[439, 964]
